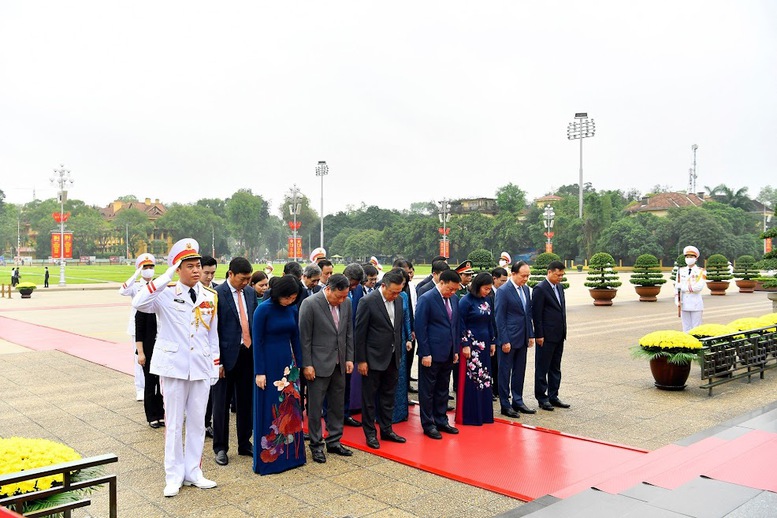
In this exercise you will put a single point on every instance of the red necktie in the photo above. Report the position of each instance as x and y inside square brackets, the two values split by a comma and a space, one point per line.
[243, 319]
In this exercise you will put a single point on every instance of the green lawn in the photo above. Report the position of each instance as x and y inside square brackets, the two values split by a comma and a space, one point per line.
[92, 274]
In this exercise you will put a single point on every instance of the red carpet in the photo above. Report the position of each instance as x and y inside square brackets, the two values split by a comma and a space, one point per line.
[508, 458]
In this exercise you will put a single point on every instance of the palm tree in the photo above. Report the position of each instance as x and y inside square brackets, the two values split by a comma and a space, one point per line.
[736, 199]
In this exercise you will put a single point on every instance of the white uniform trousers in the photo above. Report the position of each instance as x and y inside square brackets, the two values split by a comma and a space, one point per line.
[184, 398]
[690, 319]
[140, 376]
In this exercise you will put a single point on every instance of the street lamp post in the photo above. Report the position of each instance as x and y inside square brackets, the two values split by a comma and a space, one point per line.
[694, 147]
[549, 217]
[583, 127]
[294, 210]
[62, 179]
[322, 170]
[445, 217]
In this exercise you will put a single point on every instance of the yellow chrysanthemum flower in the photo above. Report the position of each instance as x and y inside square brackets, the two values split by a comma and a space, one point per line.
[22, 454]
[748, 324]
[670, 340]
[710, 330]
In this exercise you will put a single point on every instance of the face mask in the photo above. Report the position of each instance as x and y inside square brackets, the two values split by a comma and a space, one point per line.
[690, 261]
[147, 274]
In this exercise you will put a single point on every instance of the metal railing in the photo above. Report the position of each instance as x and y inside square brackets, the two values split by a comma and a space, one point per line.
[67, 469]
[738, 355]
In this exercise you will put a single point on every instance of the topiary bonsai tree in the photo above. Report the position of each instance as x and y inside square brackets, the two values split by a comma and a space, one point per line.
[744, 268]
[717, 268]
[601, 275]
[539, 270]
[647, 271]
[482, 259]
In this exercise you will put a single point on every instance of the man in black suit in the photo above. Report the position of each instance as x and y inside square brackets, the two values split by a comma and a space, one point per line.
[236, 372]
[378, 349]
[515, 334]
[550, 329]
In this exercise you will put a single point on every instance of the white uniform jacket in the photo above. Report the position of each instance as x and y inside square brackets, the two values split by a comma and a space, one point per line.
[187, 342]
[690, 282]
[130, 289]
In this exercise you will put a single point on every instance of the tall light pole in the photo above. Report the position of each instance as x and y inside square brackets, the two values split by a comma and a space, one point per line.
[62, 180]
[549, 217]
[445, 217]
[583, 127]
[294, 210]
[692, 172]
[322, 170]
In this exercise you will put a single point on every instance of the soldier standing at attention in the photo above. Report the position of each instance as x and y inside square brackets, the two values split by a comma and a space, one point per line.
[690, 281]
[186, 359]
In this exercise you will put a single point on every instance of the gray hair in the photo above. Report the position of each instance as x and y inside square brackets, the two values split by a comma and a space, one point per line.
[311, 270]
[354, 272]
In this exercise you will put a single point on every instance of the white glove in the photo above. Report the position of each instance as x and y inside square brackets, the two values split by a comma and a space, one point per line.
[135, 275]
[170, 273]
[213, 381]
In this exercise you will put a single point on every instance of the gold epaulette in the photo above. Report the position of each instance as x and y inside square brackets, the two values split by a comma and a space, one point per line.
[171, 284]
[209, 289]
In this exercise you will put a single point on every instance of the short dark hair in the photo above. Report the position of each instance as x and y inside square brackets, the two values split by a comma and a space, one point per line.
[324, 262]
[410, 264]
[399, 263]
[450, 276]
[556, 265]
[393, 277]
[354, 272]
[515, 268]
[439, 258]
[272, 281]
[369, 269]
[338, 282]
[498, 272]
[480, 280]
[257, 277]
[207, 260]
[285, 286]
[240, 265]
[292, 268]
[440, 266]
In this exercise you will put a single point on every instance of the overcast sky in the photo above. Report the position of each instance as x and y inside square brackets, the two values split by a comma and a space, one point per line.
[406, 101]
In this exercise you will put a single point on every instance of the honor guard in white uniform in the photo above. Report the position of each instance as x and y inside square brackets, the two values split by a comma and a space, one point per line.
[186, 359]
[689, 283]
[505, 261]
[145, 268]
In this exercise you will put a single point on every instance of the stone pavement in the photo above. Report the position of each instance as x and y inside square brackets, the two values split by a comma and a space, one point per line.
[92, 409]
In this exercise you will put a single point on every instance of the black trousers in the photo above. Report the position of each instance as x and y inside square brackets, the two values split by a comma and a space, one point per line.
[380, 385]
[433, 385]
[153, 403]
[238, 381]
[547, 370]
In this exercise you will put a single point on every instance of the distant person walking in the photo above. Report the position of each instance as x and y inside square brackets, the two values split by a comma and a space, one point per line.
[46, 278]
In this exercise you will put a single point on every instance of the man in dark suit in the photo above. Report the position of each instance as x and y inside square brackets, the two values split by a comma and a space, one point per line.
[236, 372]
[515, 334]
[437, 332]
[378, 346]
[429, 278]
[549, 313]
[326, 334]
[355, 275]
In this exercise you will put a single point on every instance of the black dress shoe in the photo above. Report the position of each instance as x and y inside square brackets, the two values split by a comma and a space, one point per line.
[410, 402]
[450, 398]
[154, 424]
[209, 431]
[433, 433]
[558, 403]
[412, 390]
[448, 429]
[305, 436]
[339, 449]
[373, 443]
[393, 437]
[450, 408]
[318, 456]
[350, 421]
[520, 407]
[509, 412]
[221, 458]
[545, 405]
[246, 452]
[493, 398]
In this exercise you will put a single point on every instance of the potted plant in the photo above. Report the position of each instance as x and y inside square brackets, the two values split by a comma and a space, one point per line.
[768, 262]
[539, 270]
[602, 279]
[670, 354]
[718, 274]
[647, 277]
[744, 273]
[726, 359]
[26, 288]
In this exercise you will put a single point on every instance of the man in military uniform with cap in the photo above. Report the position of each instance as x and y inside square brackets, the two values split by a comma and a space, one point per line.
[466, 272]
[689, 283]
[186, 359]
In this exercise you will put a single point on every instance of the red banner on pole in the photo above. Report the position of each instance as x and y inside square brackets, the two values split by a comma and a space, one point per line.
[56, 250]
[549, 248]
[295, 248]
[767, 245]
[445, 248]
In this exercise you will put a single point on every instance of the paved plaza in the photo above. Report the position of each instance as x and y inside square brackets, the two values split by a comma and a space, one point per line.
[91, 408]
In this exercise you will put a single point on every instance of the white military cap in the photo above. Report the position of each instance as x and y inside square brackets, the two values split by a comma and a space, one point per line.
[187, 248]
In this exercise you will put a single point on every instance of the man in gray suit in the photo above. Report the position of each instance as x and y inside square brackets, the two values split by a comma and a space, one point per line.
[378, 349]
[326, 333]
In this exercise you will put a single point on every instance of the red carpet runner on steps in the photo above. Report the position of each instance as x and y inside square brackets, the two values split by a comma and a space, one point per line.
[505, 457]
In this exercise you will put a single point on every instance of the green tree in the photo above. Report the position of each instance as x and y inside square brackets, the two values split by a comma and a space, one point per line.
[729, 196]
[127, 198]
[363, 244]
[90, 233]
[247, 222]
[469, 232]
[132, 224]
[510, 198]
[197, 222]
[768, 196]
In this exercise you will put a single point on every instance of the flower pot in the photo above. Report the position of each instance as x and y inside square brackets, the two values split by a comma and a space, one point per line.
[669, 376]
[26, 293]
[647, 293]
[745, 286]
[717, 287]
[759, 286]
[603, 296]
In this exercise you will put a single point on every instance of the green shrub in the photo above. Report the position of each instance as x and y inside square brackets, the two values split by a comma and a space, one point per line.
[600, 272]
[744, 268]
[717, 268]
[482, 259]
[539, 270]
[647, 271]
